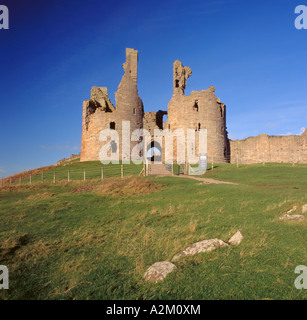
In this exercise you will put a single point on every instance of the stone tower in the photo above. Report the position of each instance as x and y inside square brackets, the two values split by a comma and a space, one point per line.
[99, 113]
[200, 110]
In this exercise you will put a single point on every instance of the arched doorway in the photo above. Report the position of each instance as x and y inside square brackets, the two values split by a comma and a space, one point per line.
[154, 151]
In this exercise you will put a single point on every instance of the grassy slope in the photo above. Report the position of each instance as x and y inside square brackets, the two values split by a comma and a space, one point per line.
[93, 245]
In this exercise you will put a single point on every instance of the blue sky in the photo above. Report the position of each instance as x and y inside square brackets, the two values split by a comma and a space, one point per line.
[55, 51]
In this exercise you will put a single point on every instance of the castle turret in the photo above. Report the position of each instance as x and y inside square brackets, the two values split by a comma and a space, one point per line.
[200, 110]
[99, 113]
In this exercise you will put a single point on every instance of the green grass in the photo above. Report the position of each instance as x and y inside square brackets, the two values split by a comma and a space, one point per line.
[84, 243]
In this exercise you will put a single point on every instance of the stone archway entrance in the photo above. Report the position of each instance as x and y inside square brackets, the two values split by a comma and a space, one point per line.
[154, 151]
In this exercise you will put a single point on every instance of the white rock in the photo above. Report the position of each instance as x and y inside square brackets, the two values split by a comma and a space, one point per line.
[159, 270]
[202, 246]
[292, 209]
[292, 217]
[236, 238]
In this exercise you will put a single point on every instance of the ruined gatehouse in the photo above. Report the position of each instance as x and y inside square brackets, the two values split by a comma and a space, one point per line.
[200, 110]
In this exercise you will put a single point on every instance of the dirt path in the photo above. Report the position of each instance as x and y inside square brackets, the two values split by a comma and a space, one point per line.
[204, 180]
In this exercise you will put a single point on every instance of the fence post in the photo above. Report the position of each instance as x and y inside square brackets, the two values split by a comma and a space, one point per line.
[30, 178]
[237, 161]
[101, 173]
[84, 174]
[212, 164]
[68, 176]
[54, 177]
[122, 170]
[292, 160]
[263, 159]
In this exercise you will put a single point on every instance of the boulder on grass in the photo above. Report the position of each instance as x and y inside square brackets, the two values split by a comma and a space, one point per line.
[236, 238]
[202, 246]
[159, 270]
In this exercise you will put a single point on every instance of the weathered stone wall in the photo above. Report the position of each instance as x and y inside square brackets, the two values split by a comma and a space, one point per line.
[285, 149]
[98, 112]
[153, 120]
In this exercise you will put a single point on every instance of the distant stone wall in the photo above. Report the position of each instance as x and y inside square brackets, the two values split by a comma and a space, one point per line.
[283, 149]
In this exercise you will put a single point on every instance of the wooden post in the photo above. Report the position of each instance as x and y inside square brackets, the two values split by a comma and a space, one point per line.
[84, 174]
[237, 161]
[212, 164]
[68, 176]
[292, 159]
[263, 159]
[30, 178]
[54, 177]
[122, 170]
[101, 173]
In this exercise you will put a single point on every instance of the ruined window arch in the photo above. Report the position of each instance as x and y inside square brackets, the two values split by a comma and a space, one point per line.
[177, 83]
[112, 125]
[134, 111]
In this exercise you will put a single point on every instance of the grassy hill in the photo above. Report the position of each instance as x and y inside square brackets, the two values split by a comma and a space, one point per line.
[94, 240]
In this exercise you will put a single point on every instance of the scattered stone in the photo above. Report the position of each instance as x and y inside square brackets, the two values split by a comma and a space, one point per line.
[304, 208]
[236, 238]
[292, 217]
[202, 246]
[158, 271]
[292, 209]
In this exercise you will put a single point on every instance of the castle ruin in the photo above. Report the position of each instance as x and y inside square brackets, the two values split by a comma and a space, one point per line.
[200, 110]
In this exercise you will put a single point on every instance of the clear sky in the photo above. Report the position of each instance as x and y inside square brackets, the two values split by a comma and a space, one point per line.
[56, 50]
